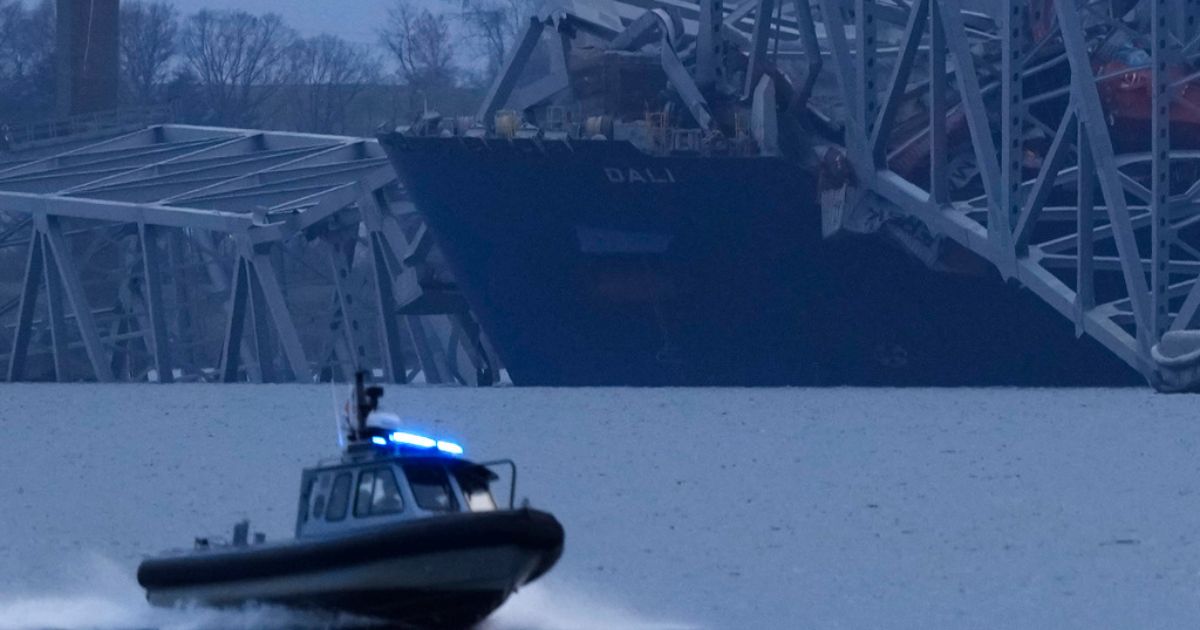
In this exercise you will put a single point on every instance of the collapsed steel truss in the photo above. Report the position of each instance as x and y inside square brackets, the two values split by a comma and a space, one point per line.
[179, 252]
[1035, 175]
[1101, 233]
[1001, 126]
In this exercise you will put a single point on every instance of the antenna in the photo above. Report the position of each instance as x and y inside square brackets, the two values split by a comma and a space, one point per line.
[366, 400]
[339, 418]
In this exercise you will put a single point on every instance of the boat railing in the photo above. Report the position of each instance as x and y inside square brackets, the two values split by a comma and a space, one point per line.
[512, 485]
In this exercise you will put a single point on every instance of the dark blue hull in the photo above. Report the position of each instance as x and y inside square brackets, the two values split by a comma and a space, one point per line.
[595, 264]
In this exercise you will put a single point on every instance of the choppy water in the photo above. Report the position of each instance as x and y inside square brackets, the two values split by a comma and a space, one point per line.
[105, 597]
[717, 508]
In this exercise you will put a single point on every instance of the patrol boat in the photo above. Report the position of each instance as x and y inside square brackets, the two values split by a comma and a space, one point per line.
[401, 528]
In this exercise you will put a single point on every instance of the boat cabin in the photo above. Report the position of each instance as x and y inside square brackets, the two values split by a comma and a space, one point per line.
[392, 476]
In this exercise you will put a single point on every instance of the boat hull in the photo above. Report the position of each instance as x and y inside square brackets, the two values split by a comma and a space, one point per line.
[591, 263]
[449, 571]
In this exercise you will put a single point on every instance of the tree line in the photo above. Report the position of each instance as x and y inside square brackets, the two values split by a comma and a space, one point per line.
[239, 69]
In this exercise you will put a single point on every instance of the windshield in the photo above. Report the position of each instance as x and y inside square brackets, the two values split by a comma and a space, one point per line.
[431, 488]
[377, 493]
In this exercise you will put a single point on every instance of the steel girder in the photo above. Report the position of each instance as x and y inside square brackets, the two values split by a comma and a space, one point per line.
[1039, 179]
[204, 254]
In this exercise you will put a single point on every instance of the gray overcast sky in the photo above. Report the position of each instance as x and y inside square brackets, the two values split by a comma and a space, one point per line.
[355, 20]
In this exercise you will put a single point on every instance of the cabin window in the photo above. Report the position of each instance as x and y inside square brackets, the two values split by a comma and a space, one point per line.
[305, 496]
[476, 490]
[362, 500]
[431, 488]
[339, 498]
[378, 493]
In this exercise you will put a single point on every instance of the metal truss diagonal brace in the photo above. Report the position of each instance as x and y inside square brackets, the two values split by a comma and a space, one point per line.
[239, 301]
[1091, 116]
[385, 301]
[678, 75]
[835, 31]
[1051, 166]
[385, 267]
[54, 308]
[557, 80]
[433, 359]
[643, 31]
[939, 166]
[708, 41]
[688, 90]
[1085, 222]
[341, 260]
[269, 290]
[976, 112]
[73, 288]
[915, 29]
[152, 294]
[539, 91]
[29, 294]
[256, 292]
[506, 81]
[264, 349]
[764, 18]
[812, 51]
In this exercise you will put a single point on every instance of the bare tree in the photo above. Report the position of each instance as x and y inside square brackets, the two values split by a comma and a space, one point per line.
[148, 40]
[330, 74]
[492, 26]
[238, 59]
[420, 42]
[27, 54]
[12, 21]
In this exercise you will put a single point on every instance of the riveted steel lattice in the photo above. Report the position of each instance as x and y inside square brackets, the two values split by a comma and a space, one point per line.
[1056, 139]
[222, 254]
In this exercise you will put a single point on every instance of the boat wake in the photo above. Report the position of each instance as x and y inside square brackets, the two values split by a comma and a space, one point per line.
[103, 595]
[555, 606]
[100, 594]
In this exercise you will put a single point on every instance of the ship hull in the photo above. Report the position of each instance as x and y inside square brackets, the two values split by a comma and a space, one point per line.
[591, 263]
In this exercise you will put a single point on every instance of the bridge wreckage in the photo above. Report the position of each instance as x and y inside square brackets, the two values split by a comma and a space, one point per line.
[774, 191]
[195, 253]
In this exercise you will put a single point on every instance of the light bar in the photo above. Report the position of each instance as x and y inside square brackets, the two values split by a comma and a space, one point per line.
[449, 447]
[412, 439]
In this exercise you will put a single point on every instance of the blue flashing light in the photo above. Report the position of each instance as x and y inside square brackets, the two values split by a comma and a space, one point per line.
[412, 439]
[449, 447]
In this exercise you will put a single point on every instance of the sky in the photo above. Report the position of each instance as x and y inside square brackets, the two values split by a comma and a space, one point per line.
[354, 20]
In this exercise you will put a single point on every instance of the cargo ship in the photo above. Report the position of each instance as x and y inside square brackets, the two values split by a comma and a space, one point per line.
[619, 234]
[595, 264]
